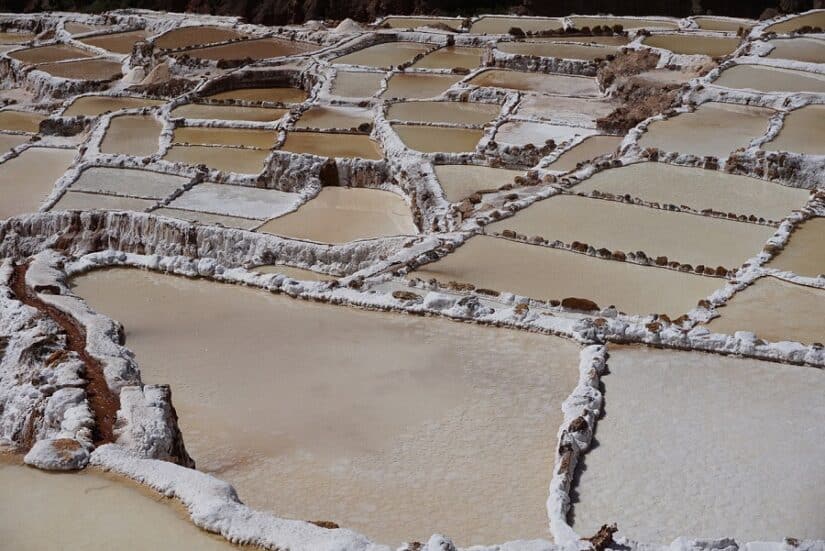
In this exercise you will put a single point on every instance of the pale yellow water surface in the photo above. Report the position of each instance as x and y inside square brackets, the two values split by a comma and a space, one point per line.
[805, 253]
[587, 150]
[205, 135]
[708, 23]
[77, 200]
[273, 94]
[26, 180]
[814, 19]
[387, 55]
[696, 443]
[22, 121]
[46, 54]
[10, 141]
[712, 129]
[323, 116]
[545, 48]
[431, 139]
[120, 43]
[451, 57]
[811, 50]
[626, 22]
[379, 422]
[418, 85]
[460, 181]
[502, 25]
[356, 84]
[686, 238]
[231, 159]
[398, 22]
[770, 79]
[339, 215]
[192, 36]
[263, 48]
[545, 83]
[327, 144]
[544, 273]
[699, 189]
[132, 134]
[91, 511]
[802, 132]
[15, 37]
[694, 44]
[84, 69]
[92, 106]
[455, 112]
[228, 112]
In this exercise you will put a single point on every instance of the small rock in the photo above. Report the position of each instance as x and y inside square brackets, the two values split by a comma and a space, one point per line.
[57, 454]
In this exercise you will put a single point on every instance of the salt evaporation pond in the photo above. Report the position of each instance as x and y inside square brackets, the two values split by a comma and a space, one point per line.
[726, 24]
[455, 112]
[805, 253]
[770, 79]
[228, 112]
[92, 106]
[698, 188]
[128, 182]
[418, 85]
[356, 84]
[714, 129]
[91, 511]
[544, 48]
[384, 437]
[262, 48]
[236, 201]
[20, 121]
[710, 444]
[132, 134]
[47, 54]
[273, 94]
[292, 272]
[208, 135]
[545, 83]
[628, 23]
[74, 28]
[460, 181]
[9, 141]
[810, 50]
[589, 149]
[83, 69]
[78, 200]
[814, 19]
[685, 238]
[183, 37]
[402, 22]
[15, 37]
[230, 159]
[451, 57]
[564, 110]
[120, 43]
[522, 133]
[545, 273]
[28, 179]
[209, 218]
[803, 131]
[693, 44]
[340, 215]
[491, 24]
[433, 139]
[327, 144]
[775, 310]
[388, 54]
[332, 117]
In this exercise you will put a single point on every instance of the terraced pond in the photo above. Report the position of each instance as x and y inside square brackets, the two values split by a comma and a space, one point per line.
[27, 180]
[132, 134]
[460, 181]
[327, 144]
[444, 111]
[433, 139]
[713, 46]
[384, 55]
[804, 255]
[538, 82]
[803, 131]
[770, 79]
[93, 105]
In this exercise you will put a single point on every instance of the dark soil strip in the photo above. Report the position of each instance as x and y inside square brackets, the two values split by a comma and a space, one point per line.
[104, 403]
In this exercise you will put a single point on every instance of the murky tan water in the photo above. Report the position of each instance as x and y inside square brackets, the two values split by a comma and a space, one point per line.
[545, 48]
[728, 25]
[23, 121]
[231, 159]
[683, 237]
[815, 19]
[90, 511]
[522, 133]
[46, 54]
[589, 149]
[322, 116]
[418, 86]
[203, 135]
[805, 254]
[386, 55]
[430, 139]
[328, 144]
[228, 112]
[15, 37]
[356, 84]
[698, 189]
[10, 141]
[209, 218]
[800, 49]
[703, 447]
[29, 178]
[502, 25]
[802, 132]
[263, 48]
[770, 79]
[128, 182]
[444, 111]
[92, 106]
[192, 36]
[339, 215]
[276, 95]
[460, 181]
[415, 22]
[575, 111]
[451, 57]
[626, 22]
[385, 436]
[688, 44]
[538, 82]
[120, 43]
[76, 200]
[84, 69]
[132, 134]
[713, 129]
[545, 273]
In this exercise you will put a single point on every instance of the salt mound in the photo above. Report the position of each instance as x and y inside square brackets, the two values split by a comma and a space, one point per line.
[159, 74]
[348, 26]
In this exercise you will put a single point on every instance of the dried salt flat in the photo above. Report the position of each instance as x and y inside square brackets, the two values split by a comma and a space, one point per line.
[26, 180]
[229, 159]
[340, 215]
[587, 150]
[547, 48]
[78, 200]
[83, 69]
[460, 181]
[293, 272]
[522, 133]
[694, 44]
[183, 37]
[707, 23]
[262, 48]
[814, 19]
[21, 121]
[696, 443]
[388, 54]
[770, 79]
[491, 24]
[699, 189]
[91, 511]
[545, 83]
[92, 106]
[776, 311]
[207, 135]
[451, 57]
[401, 22]
[128, 182]
[811, 50]
[686, 238]
[544, 273]
[331, 117]
[120, 43]
[132, 134]
[47, 54]
[75, 28]
[802, 132]
[327, 144]
[805, 253]
[712, 129]
[10, 141]
[236, 201]
[455, 112]
[431, 139]
[228, 112]
[628, 23]
[418, 85]
[267, 94]
[356, 84]
[384, 437]
[209, 218]
[565, 110]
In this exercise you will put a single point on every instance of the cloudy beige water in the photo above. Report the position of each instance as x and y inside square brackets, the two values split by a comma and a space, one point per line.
[77, 200]
[10, 141]
[805, 253]
[587, 150]
[356, 84]
[228, 112]
[546, 48]
[193, 35]
[398, 22]
[456, 112]
[626, 22]
[231, 159]
[84, 69]
[209, 218]
[546, 274]
[718, 24]
[502, 25]
[269, 94]
[26, 180]
[120, 43]
[460, 181]
[575, 111]
[815, 19]
[384, 55]
[331, 117]
[92, 106]
[132, 134]
[328, 144]
[15, 37]
[339, 215]
[687, 44]
[384, 437]
[21, 121]
[418, 85]
[545, 83]
[776, 311]
[686, 238]
[128, 182]
[699, 189]
[770, 79]
[205, 135]
[46, 54]
[91, 511]
[803, 131]
[431, 139]
[705, 436]
[811, 50]
[522, 133]
[263, 48]
[712, 129]
[451, 57]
